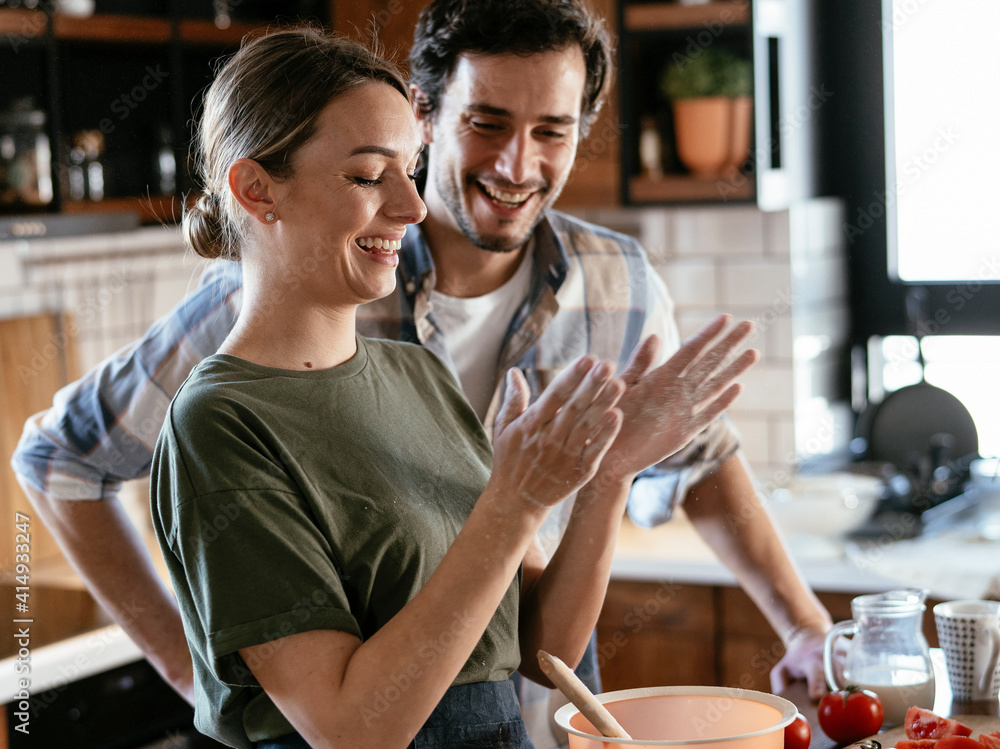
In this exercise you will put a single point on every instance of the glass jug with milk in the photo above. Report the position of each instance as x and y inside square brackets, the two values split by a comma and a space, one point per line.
[887, 653]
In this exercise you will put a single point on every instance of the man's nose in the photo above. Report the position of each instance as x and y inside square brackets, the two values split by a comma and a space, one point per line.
[518, 159]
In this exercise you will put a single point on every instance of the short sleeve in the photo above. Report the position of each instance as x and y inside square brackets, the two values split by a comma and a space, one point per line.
[248, 562]
[258, 570]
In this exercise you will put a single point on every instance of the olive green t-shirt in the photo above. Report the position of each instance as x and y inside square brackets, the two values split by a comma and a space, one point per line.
[288, 501]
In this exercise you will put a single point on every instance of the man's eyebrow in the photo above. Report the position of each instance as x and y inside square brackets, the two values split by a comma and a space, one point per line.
[500, 112]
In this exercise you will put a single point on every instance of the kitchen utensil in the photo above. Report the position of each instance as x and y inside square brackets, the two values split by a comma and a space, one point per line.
[969, 633]
[825, 505]
[719, 717]
[577, 693]
[888, 653]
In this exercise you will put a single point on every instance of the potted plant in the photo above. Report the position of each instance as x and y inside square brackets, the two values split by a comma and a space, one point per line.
[710, 94]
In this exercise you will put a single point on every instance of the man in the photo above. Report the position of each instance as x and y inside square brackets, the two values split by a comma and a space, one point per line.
[503, 92]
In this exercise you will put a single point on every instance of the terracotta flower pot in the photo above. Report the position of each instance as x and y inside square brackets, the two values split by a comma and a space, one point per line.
[713, 134]
[702, 127]
[741, 129]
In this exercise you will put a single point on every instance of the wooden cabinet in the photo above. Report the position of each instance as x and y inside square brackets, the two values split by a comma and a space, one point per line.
[657, 634]
[663, 634]
[37, 357]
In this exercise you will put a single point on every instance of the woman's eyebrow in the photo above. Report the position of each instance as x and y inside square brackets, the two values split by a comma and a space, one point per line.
[380, 150]
[389, 153]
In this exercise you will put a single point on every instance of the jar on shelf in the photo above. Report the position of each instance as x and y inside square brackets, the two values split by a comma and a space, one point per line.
[85, 172]
[25, 157]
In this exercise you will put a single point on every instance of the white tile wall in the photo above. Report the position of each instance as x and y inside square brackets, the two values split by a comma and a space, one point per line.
[734, 230]
[692, 281]
[761, 282]
[786, 271]
[113, 285]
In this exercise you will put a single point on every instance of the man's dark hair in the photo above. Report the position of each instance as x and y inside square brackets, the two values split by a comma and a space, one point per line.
[449, 28]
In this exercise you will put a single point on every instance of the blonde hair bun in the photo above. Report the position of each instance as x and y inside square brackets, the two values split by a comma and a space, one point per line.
[203, 229]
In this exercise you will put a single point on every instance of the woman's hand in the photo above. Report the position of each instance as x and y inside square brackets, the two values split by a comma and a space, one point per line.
[667, 407]
[545, 452]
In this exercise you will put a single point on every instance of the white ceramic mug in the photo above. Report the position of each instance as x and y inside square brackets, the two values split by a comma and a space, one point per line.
[969, 634]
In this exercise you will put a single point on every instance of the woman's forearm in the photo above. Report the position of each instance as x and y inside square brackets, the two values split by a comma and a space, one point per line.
[726, 512]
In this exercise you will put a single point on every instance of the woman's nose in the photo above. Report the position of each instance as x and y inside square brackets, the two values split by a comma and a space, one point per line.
[407, 204]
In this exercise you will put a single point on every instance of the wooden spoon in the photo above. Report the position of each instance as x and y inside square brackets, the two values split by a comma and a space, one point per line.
[577, 693]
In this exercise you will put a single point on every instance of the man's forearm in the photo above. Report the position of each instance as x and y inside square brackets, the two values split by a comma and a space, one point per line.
[119, 573]
[566, 600]
[727, 514]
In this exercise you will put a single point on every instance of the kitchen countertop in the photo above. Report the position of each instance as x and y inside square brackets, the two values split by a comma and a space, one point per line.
[676, 552]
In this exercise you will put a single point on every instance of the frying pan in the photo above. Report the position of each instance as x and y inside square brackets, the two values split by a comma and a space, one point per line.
[906, 423]
[909, 423]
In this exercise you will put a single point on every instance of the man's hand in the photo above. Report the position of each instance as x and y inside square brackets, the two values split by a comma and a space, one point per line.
[803, 660]
[667, 407]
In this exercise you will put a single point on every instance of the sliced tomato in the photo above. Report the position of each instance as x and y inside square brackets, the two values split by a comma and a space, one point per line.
[916, 744]
[990, 740]
[957, 742]
[924, 724]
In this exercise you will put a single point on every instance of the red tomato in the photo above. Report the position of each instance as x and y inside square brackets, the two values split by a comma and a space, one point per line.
[924, 724]
[957, 742]
[916, 744]
[850, 715]
[798, 734]
[990, 740]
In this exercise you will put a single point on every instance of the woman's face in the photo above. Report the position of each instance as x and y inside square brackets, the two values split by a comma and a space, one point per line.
[342, 214]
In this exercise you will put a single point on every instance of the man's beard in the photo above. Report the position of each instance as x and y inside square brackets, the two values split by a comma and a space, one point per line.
[490, 242]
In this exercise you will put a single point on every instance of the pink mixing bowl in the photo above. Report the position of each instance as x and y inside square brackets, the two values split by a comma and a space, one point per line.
[702, 717]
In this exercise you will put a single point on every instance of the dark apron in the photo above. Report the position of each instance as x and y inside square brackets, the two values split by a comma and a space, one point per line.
[484, 715]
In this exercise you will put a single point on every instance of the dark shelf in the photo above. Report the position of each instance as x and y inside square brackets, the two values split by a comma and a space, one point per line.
[654, 34]
[660, 16]
[686, 188]
[131, 76]
[108, 28]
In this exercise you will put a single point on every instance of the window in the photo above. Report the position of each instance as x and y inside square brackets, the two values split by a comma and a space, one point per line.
[914, 87]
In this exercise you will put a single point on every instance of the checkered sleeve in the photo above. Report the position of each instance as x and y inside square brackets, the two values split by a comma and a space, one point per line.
[101, 430]
[658, 491]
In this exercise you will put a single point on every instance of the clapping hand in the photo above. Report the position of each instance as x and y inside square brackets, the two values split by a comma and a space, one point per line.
[665, 408]
[544, 452]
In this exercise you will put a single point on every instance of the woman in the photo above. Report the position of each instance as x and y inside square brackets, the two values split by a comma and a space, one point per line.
[368, 579]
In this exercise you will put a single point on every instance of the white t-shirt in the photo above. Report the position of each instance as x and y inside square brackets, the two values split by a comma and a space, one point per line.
[474, 328]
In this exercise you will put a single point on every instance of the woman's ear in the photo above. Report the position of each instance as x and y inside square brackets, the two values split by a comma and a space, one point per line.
[254, 189]
[424, 118]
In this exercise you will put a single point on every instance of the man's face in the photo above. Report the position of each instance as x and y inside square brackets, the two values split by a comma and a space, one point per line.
[503, 143]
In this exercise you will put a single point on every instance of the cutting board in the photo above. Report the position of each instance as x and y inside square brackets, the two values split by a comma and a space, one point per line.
[978, 723]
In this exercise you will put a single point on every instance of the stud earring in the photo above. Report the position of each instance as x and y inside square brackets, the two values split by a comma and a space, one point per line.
[269, 217]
